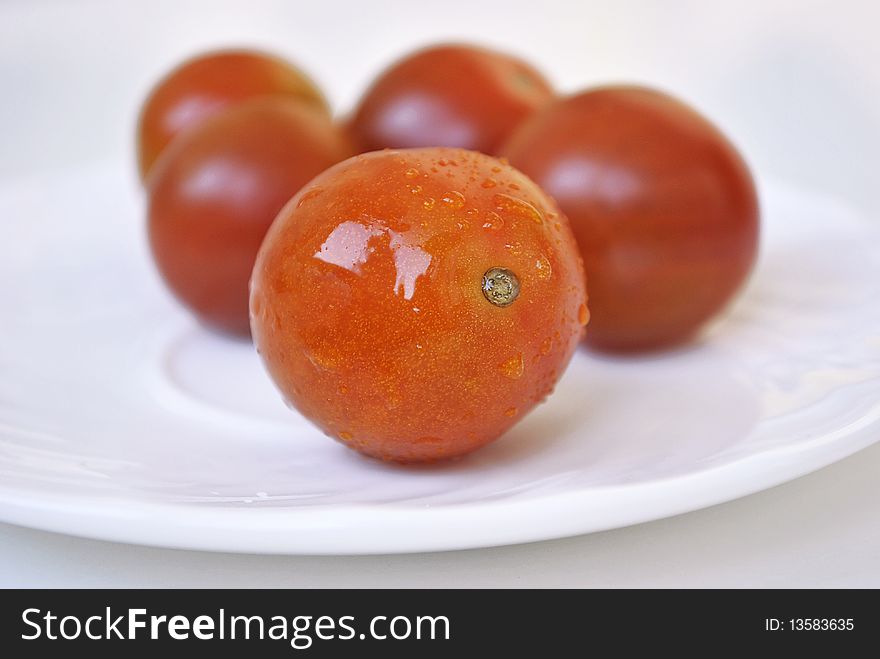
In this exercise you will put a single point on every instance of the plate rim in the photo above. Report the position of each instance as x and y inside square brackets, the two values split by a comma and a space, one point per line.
[335, 528]
[318, 530]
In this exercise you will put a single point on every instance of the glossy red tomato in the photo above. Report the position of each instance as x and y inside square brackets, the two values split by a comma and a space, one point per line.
[415, 304]
[663, 208]
[452, 95]
[216, 190]
[207, 84]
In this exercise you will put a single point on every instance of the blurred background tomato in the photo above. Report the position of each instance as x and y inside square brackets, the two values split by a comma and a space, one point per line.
[795, 84]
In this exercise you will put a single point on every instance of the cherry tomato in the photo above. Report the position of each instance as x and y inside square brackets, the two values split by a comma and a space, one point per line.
[207, 84]
[217, 188]
[663, 208]
[460, 96]
[415, 304]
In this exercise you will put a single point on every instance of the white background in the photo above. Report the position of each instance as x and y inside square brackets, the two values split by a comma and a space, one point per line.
[797, 85]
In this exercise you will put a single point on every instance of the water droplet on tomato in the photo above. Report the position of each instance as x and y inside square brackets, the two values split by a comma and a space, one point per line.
[308, 195]
[493, 221]
[453, 199]
[517, 207]
[542, 265]
[583, 314]
[513, 368]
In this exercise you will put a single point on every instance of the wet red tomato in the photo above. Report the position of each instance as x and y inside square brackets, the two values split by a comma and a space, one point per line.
[216, 190]
[415, 304]
[452, 95]
[663, 208]
[207, 84]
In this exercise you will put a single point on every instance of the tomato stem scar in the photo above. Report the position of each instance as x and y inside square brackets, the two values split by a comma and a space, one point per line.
[500, 286]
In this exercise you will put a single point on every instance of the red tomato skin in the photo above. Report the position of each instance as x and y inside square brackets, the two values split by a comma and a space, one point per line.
[449, 95]
[663, 207]
[367, 301]
[216, 190]
[208, 84]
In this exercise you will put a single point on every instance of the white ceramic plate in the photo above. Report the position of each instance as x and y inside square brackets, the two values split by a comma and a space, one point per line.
[121, 419]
